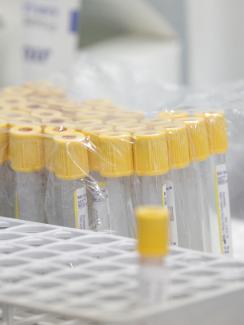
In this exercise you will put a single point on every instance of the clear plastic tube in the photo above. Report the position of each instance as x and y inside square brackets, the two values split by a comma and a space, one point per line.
[7, 190]
[30, 196]
[188, 210]
[207, 175]
[71, 203]
[120, 205]
[153, 280]
[50, 200]
[151, 189]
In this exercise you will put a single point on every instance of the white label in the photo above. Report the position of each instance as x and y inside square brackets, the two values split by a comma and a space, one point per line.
[80, 208]
[100, 207]
[169, 202]
[224, 207]
[47, 25]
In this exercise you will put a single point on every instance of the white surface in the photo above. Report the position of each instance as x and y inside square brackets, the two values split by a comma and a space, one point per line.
[33, 34]
[52, 273]
[215, 41]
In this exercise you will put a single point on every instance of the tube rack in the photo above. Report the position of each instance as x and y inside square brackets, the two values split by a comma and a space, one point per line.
[55, 275]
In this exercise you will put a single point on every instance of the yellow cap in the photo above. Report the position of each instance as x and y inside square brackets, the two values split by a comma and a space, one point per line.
[93, 146]
[116, 154]
[131, 129]
[122, 122]
[153, 231]
[45, 114]
[3, 141]
[178, 146]
[70, 156]
[197, 137]
[26, 148]
[50, 132]
[217, 132]
[59, 122]
[150, 153]
[174, 115]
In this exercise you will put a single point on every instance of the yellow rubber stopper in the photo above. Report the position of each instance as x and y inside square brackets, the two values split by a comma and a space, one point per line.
[3, 141]
[49, 133]
[150, 153]
[26, 148]
[198, 138]
[178, 145]
[116, 154]
[174, 115]
[70, 156]
[152, 231]
[217, 132]
[93, 146]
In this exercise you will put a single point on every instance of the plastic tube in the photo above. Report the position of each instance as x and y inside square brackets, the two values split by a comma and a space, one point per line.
[27, 160]
[70, 169]
[153, 223]
[201, 178]
[49, 149]
[187, 189]
[96, 186]
[218, 141]
[150, 165]
[117, 168]
[6, 181]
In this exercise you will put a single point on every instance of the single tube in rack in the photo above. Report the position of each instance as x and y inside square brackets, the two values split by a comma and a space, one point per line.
[152, 229]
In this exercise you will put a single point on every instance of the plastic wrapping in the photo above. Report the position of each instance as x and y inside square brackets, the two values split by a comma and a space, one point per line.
[89, 164]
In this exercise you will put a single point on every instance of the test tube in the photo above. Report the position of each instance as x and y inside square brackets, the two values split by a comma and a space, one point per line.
[27, 161]
[150, 166]
[70, 169]
[96, 185]
[153, 223]
[6, 204]
[186, 188]
[49, 149]
[202, 179]
[116, 166]
[218, 141]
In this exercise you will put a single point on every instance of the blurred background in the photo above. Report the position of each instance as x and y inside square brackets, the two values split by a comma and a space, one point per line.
[194, 42]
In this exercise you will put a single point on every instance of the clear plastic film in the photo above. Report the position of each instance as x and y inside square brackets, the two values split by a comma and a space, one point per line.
[89, 164]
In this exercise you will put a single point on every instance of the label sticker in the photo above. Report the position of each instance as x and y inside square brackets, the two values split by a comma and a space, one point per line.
[100, 207]
[223, 207]
[80, 208]
[168, 201]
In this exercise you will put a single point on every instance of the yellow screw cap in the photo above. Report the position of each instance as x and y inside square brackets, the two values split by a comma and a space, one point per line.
[116, 154]
[217, 132]
[174, 115]
[150, 153]
[49, 133]
[178, 146]
[70, 156]
[197, 137]
[93, 146]
[46, 114]
[152, 231]
[26, 148]
[3, 141]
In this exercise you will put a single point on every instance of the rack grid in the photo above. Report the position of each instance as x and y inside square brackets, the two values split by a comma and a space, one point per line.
[55, 275]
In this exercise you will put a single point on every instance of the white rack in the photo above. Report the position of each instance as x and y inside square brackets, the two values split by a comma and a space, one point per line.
[54, 275]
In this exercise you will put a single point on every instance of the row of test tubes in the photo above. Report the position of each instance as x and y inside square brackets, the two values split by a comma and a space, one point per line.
[89, 165]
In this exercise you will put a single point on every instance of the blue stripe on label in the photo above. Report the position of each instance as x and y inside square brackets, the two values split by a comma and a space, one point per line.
[74, 21]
